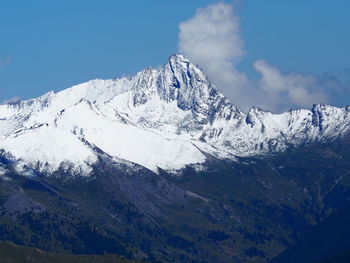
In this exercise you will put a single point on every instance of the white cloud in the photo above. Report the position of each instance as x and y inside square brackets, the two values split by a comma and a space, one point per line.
[212, 40]
[290, 88]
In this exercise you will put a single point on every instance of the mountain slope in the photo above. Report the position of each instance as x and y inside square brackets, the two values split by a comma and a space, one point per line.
[90, 170]
[234, 211]
[342, 258]
[327, 240]
[168, 119]
[11, 253]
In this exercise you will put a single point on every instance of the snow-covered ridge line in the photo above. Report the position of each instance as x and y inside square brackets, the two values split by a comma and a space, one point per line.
[166, 118]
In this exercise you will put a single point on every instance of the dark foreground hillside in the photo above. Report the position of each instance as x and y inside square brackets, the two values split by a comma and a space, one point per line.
[243, 212]
[11, 253]
[329, 240]
[342, 258]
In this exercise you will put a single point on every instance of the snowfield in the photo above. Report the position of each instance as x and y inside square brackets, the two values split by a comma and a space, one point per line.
[167, 118]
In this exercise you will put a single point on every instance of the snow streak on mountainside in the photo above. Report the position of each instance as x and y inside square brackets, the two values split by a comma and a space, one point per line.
[167, 118]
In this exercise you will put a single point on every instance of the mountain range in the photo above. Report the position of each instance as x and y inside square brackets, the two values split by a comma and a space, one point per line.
[162, 167]
[160, 119]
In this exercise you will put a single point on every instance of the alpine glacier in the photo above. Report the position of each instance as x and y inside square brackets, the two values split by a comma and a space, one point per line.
[168, 118]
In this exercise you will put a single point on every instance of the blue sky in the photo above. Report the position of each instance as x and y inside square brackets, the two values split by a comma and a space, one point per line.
[51, 45]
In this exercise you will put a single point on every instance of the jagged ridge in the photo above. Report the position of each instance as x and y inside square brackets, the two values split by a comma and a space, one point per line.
[167, 118]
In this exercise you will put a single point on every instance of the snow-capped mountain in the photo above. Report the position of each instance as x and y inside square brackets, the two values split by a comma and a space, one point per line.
[167, 118]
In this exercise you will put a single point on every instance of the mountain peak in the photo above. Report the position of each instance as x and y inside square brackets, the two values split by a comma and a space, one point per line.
[181, 65]
[178, 58]
[167, 118]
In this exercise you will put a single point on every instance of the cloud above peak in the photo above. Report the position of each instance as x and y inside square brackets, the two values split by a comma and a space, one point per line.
[212, 39]
[213, 33]
[289, 88]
